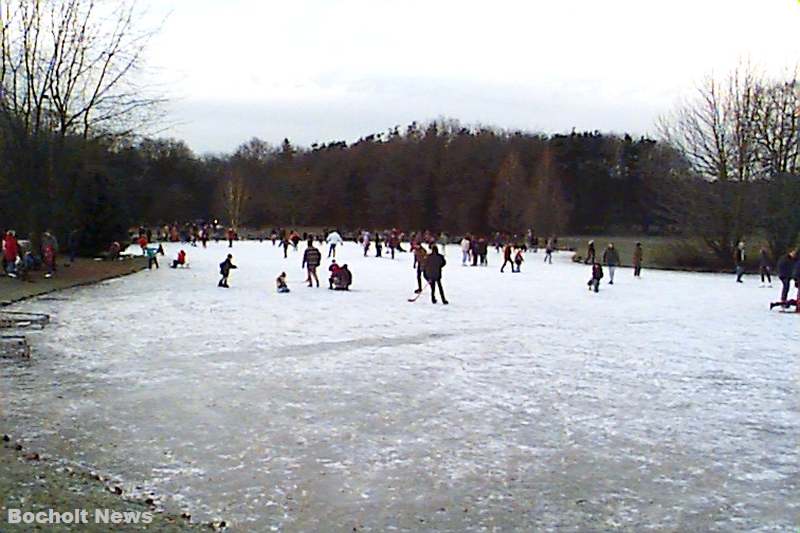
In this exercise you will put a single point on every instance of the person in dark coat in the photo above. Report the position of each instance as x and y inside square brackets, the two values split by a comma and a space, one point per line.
[597, 275]
[739, 258]
[224, 270]
[434, 264]
[765, 266]
[507, 250]
[786, 272]
[590, 254]
[311, 260]
[638, 258]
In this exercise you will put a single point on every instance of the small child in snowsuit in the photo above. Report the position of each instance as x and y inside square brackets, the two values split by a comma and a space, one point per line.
[280, 282]
[597, 275]
[518, 259]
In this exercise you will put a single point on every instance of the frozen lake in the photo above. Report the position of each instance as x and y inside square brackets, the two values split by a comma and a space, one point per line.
[670, 402]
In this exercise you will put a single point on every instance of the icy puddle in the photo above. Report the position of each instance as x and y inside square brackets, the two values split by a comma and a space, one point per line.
[670, 402]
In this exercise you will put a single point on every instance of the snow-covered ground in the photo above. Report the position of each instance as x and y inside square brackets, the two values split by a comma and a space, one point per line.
[669, 402]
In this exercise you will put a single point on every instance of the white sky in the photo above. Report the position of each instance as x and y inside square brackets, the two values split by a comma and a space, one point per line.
[318, 70]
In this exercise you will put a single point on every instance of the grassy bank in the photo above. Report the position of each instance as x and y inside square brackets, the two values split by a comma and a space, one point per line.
[81, 272]
[670, 253]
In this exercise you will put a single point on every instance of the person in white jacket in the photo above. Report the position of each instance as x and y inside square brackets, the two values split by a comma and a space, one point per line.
[333, 239]
[465, 246]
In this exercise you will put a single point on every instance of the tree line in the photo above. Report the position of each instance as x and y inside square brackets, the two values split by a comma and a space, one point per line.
[72, 156]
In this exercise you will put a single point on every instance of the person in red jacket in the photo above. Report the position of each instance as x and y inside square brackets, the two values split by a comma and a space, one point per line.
[181, 260]
[335, 270]
[10, 252]
[143, 243]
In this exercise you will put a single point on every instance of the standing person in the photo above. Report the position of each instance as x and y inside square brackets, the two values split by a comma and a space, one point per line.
[152, 257]
[285, 244]
[443, 243]
[590, 254]
[611, 259]
[378, 245]
[10, 252]
[786, 268]
[738, 258]
[507, 257]
[231, 235]
[419, 263]
[333, 240]
[465, 246]
[518, 259]
[311, 260]
[225, 269]
[434, 264]
[597, 275]
[365, 242]
[73, 243]
[765, 266]
[638, 257]
[474, 251]
[483, 250]
[49, 252]
[548, 251]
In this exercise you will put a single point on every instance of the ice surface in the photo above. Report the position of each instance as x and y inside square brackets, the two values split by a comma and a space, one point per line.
[528, 403]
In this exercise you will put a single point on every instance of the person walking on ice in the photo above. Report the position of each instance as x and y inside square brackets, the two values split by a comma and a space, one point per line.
[764, 267]
[419, 263]
[548, 251]
[590, 254]
[311, 260]
[518, 259]
[738, 258]
[507, 257]
[333, 240]
[225, 270]
[611, 259]
[786, 272]
[434, 264]
[597, 275]
[638, 257]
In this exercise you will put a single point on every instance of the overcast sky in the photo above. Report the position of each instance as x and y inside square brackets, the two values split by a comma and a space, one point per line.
[315, 71]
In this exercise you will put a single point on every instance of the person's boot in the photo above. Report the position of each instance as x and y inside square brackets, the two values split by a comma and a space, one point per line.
[417, 291]
[444, 302]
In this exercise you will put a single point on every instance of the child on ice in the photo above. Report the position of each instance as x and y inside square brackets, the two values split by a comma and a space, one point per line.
[280, 283]
[597, 275]
[518, 259]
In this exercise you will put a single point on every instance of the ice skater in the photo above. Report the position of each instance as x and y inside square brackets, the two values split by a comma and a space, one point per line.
[311, 260]
[333, 240]
[518, 260]
[765, 267]
[434, 264]
[611, 259]
[225, 269]
[548, 252]
[739, 258]
[507, 257]
[787, 271]
[638, 257]
[597, 275]
[419, 263]
[590, 254]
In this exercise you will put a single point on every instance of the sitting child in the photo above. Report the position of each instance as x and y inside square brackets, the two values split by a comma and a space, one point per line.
[180, 261]
[335, 271]
[343, 280]
[280, 282]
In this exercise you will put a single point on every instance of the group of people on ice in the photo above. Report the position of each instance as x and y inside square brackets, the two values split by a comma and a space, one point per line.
[612, 260]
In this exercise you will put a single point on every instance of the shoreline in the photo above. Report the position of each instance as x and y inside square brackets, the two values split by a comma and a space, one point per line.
[78, 274]
[32, 482]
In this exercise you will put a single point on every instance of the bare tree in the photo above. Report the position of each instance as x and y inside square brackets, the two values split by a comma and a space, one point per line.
[235, 195]
[550, 208]
[717, 133]
[70, 66]
[778, 125]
